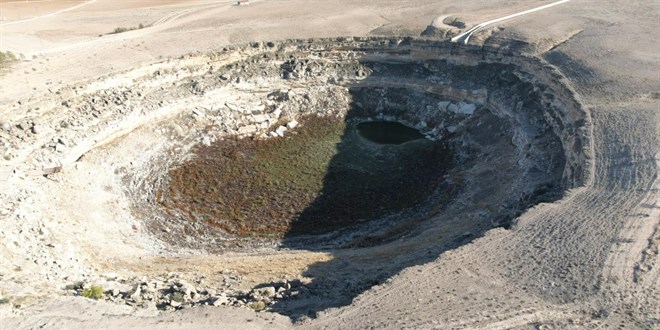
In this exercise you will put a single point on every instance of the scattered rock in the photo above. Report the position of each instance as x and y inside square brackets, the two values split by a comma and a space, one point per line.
[466, 108]
[135, 294]
[232, 106]
[267, 292]
[219, 300]
[259, 118]
[442, 105]
[277, 113]
[24, 126]
[185, 288]
[292, 124]
[247, 130]
[281, 130]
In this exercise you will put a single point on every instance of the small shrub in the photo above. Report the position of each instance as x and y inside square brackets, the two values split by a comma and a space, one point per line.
[258, 305]
[177, 296]
[4, 301]
[93, 292]
[122, 29]
[6, 58]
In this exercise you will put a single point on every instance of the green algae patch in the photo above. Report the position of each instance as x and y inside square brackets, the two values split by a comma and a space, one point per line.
[320, 177]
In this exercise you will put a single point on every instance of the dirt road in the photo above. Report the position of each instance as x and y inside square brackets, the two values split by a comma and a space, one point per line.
[465, 36]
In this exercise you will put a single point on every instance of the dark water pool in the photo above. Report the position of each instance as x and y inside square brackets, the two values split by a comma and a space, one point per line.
[388, 132]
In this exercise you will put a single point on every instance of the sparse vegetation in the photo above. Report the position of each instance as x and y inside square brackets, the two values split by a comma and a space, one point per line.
[319, 179]
[258, 305]
[177, 296]
[7, 58]
[122, 29]
[4, 301]
[93, 292]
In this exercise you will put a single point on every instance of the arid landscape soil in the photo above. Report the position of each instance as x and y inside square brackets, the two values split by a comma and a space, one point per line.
[329, 164]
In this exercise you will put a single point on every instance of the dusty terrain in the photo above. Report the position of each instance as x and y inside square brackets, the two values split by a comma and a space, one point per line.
[92, 120]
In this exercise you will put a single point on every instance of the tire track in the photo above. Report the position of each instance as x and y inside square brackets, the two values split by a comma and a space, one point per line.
[465, 36]
[158, 25]
[50, 14]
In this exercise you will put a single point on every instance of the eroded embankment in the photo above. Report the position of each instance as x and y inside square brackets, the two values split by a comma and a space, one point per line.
[218, 152]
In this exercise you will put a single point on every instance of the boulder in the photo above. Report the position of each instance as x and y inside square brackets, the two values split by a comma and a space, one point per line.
[267, 292]
[466, 108]
[249, 129]
[219, 300]
[24, 126]
[281, 130]
[259, 118]
[276, 114]
[442, 105]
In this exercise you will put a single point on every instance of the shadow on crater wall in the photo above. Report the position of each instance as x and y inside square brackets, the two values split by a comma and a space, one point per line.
[416, 189]
[419, 227]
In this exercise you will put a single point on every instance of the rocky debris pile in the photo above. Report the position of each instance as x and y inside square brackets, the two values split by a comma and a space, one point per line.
[171, 292]
[57, 125]
[263, 297]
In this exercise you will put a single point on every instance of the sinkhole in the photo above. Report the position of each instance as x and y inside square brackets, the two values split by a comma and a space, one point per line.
[381, 153]
[357, 142]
